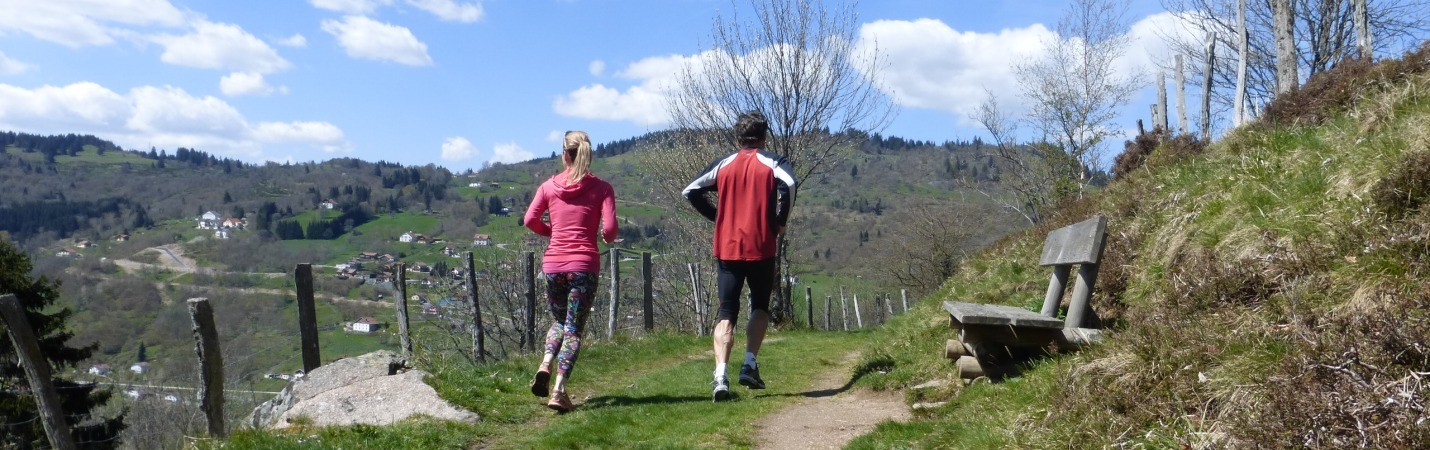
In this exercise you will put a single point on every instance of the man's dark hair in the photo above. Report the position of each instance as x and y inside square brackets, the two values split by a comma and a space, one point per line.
[751, 128]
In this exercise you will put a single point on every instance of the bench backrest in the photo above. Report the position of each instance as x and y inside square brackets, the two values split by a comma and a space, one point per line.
[1079, 243]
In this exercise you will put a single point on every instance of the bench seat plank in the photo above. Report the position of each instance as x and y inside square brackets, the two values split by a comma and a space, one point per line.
[982, 314]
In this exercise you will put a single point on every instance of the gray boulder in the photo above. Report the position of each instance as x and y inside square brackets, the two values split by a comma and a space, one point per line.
[375, 389]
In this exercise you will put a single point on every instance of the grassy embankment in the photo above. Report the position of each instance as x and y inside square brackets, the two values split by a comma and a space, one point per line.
[1269, 292]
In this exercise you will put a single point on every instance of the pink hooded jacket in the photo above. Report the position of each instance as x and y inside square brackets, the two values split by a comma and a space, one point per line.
[575, 212]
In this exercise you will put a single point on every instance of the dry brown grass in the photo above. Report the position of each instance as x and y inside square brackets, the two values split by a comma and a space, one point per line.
[1341, 88]
[1407, 188]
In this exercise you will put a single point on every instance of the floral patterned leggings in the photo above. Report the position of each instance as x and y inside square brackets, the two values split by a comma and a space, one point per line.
[570, 296]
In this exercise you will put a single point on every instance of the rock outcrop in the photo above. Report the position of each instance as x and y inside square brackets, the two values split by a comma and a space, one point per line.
[375, 389]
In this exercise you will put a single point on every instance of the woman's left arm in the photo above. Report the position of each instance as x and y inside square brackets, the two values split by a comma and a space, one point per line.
[609, 228]
[532, 219]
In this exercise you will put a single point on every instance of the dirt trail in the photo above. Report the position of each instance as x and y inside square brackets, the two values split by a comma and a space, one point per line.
[830, 415]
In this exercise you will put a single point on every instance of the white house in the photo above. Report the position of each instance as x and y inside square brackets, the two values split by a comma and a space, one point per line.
[209, 220]
[221, 233]
[365, 325]
[328, 204]
[406, 237]
[100, 369]
[234, 223]
[482, 240]
[139, 368]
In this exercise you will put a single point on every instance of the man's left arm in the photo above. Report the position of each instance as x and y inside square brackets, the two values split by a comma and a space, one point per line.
[784, 183]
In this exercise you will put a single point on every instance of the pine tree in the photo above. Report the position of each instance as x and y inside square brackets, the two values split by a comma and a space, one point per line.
[17, 410]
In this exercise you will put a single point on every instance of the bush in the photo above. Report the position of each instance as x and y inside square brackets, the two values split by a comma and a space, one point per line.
[1338, 89]
[1406, 188]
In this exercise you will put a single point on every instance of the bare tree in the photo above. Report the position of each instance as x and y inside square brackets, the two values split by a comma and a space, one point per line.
[800, 64]
[1325, 35]
[1035, 176]
[1074, 90]
[930, 241]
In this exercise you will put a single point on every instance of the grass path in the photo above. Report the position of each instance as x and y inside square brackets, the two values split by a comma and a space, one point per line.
[651, 392]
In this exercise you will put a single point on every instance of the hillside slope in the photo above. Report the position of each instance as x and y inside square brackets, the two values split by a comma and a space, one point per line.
[1271, 292]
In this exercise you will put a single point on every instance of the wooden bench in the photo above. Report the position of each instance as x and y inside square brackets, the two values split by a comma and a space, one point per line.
[992, 337]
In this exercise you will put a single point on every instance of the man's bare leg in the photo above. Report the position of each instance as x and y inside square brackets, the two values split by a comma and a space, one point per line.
[724, 341]
[755, 331]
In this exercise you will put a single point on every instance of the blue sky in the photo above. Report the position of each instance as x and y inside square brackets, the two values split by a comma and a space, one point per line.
[455, 83]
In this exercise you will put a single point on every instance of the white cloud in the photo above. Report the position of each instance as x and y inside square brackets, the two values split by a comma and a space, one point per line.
[510, 153]
[77, 107]
[556, 136]
[365, 38]
[295, 41]
[933, 66]
[350, 6]
[1148, 42]
[9, 66]
[457, 149]
[171, 109]
[597, 67]
[643, 103]
[323, 135]
[450, 10]
[220, 46]
[244, 83]
[78, 23]
[166, 117]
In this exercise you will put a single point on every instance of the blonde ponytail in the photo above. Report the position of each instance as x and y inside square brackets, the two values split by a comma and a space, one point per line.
[576, 153]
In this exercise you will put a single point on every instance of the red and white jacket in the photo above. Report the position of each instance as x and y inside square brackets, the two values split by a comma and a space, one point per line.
[753, 192]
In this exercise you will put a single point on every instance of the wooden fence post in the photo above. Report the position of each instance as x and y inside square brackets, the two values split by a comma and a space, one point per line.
[1239, 116]
[307, 317]
[648, 291]
[403, 331]
[210, 365]
[828, 312]
[904, 295]
[695, 298]
[809, 305]
[530, 336]
[37, 371]
[1181, 96]
[1162, 109]
[615, 292]
[843, 308]
[1284, 24]
[888, 305]
[878, 309]
[858, 318]
[1361, 18]
[479, 332]
[1210, 65]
